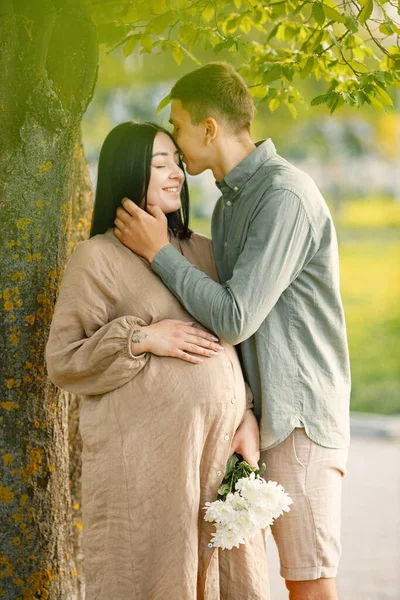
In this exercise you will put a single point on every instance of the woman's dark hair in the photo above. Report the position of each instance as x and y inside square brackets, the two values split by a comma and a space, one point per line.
[124, 171]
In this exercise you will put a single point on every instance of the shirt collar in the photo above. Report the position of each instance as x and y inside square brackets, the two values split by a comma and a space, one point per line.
[232, 183]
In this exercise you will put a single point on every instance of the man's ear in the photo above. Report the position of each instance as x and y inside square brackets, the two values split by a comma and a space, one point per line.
[210, 129]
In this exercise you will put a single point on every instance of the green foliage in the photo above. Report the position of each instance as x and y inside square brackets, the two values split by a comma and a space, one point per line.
[352, 48]
[236, 468]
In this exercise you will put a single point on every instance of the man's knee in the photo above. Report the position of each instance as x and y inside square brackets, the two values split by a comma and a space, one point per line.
[317, 589]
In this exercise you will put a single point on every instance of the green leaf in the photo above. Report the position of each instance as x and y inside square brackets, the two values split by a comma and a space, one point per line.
[386, 28]
[366, 11]
[208, 13]
[177, 53]
[351, 24]
[360, 98]
[231, 464]
[164, 102]
[245, 24]
[375, 103]
[130, 46]
[147, 43]
[273, 104]
[224, 45]
[323, 99]
[318, 13]
[318, 40]
[243, 50]
[160, 23]
[273, 32]
[386, 99]
[272, 74]
[333, 14]
[292, 109]
[336, 103]
[305, 72]
[287, 71]
[204, 40]
[188, 35]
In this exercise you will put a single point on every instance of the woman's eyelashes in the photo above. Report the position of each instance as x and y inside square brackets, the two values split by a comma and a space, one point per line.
[163, 166]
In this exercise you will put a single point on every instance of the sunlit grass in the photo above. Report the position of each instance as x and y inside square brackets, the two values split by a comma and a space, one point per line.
[369, 231]
[376, 212]
[370, 285]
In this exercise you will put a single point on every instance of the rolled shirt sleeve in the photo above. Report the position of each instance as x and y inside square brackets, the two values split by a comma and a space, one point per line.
[279, 243]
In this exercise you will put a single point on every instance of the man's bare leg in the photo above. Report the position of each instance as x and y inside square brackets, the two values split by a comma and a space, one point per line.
[318, 589]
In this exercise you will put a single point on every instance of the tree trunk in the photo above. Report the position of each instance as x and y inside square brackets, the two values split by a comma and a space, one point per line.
[82, 206]
[48, 65]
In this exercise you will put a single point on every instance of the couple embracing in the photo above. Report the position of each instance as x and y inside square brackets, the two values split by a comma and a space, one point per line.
[187, 350]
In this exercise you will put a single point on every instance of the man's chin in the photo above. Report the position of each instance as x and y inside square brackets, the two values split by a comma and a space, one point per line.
[193, 169]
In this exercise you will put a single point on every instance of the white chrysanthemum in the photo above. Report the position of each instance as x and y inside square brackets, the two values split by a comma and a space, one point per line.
[254, 505]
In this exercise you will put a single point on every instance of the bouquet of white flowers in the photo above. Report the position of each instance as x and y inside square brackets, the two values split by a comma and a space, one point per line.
[246, 504]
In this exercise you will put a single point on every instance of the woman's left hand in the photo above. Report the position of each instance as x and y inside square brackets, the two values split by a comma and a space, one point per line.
[246, 440]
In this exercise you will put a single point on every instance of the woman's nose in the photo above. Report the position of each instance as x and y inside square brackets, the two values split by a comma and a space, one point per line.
[177, 173]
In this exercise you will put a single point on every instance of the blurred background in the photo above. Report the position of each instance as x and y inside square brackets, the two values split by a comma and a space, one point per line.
[354, 158]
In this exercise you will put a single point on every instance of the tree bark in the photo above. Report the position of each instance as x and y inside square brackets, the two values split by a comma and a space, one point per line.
[82, 206]
[48, 65]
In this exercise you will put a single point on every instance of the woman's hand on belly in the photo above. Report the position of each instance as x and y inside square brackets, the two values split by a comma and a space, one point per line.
[246, 440]
[179, 339]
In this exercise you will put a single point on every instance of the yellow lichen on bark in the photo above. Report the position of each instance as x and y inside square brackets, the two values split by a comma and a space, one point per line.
[6, 495]
[8, 459]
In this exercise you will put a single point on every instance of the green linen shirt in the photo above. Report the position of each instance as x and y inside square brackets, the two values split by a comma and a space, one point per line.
[276, 253]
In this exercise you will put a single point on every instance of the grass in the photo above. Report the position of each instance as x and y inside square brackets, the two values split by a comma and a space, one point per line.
[369, 246]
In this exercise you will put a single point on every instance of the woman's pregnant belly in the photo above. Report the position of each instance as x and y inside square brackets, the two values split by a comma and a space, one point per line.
[167, 390]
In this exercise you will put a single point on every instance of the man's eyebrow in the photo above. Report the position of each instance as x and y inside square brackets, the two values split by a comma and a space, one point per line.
[164, 153]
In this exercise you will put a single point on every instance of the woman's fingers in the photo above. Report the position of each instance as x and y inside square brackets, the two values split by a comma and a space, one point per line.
[187, 357]
[192, 330]
[200, 342]
[196, 349]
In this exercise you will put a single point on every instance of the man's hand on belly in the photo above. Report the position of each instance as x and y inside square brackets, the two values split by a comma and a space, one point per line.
[246, 440]
[174, 338]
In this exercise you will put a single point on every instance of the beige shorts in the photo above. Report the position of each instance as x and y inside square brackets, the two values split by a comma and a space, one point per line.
[308, 537]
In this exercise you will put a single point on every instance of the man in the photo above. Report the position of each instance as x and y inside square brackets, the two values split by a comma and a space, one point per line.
[276, 252]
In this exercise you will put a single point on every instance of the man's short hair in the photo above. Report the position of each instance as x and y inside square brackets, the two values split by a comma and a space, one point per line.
[216, 90]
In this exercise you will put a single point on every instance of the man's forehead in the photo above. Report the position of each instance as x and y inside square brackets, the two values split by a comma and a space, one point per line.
[178, 112]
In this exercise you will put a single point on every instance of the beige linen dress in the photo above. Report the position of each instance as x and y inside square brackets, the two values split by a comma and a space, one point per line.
[156, 434]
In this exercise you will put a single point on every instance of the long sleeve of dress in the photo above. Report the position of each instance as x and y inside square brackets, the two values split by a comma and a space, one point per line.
[88, 351]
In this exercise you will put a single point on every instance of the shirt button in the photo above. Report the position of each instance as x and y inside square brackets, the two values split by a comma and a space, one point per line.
[233, 400]
[210, 545]
[226, 437]
[225, 244]
[229, 203]
[235, 189]
[219, 473]
[229, 366]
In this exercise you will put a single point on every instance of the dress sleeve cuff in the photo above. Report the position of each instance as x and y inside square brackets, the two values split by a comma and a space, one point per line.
[135, 324]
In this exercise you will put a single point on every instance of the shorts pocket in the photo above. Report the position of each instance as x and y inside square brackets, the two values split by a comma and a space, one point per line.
[301, 445]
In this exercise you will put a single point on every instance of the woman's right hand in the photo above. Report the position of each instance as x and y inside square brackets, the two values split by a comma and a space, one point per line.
[179, 339]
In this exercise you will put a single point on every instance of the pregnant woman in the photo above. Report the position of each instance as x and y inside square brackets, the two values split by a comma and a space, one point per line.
[156, 430]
